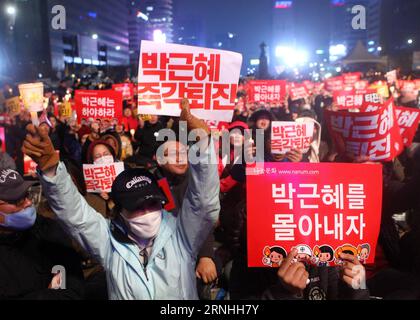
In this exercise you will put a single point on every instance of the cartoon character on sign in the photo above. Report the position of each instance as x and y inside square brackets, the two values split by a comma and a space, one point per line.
[273, 256]
[347, 249]
[324, 255]
[363, 251]
[304, 253]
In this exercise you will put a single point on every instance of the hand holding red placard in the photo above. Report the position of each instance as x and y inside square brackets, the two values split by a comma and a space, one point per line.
[320, 209]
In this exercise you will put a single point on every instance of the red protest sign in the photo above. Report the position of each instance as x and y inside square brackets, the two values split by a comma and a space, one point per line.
[369, 134]
[126, 89]
[266, 91]
[348, 99]
[309, 85]
[3, 139]
[99, 177]
[408, 121]
[361, 85]
[98, 104]
[298, 91]
[288, 135]
[334, 84]
[170, 72]
[312, 205]
[351, 78]
[356, 98]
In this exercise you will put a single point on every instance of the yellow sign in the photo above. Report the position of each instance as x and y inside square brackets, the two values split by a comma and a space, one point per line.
[13, 106]
[65, 110]
[146, 117]
[381, 89]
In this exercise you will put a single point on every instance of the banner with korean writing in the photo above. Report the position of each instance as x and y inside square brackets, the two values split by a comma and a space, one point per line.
[351, 78]
[99, 177]
[355, 98]
[126, 89]
[266, 91]
[288, 135]
[298, 91]
[374, 135]
[98, 104]
[3, 139]
[314, 207]
[334, 84]
[361, 85]
[170, 72]
[408, 121]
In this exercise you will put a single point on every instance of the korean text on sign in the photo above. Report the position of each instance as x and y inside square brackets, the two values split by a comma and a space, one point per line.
[370, 134]
[99, 177]
[266, 91]
[288, 135]
[312, 205]
[207, 77]
[98, 104]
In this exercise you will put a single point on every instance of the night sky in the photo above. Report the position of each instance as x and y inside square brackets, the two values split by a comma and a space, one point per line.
[251, 21]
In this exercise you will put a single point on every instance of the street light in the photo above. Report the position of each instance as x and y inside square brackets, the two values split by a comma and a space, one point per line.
[410, 41]
[118, 48]
[94, 36]
[11, 10]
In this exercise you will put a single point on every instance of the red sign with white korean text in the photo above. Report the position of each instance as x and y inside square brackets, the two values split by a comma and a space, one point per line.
[3, 139]
[355, 99]
[334, 84]
[266, 91]
[375, 135]
[98, 104]
[309, 85]
[407, 85]
[298, 91]
[99, 177]
[314, 207]
[207, 77]
[361, 85]
[126, 89]
[288, 135]
[351, 78]
[408, 121]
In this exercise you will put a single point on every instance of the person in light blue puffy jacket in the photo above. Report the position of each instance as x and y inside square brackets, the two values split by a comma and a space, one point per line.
[147, 252]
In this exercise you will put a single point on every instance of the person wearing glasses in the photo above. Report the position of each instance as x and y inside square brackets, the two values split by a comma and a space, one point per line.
[33, 248]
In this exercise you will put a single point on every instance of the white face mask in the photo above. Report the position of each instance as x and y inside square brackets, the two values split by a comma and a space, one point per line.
[146, 226]
[104, 160]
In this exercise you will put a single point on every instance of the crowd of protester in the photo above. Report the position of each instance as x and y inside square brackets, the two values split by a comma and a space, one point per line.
[119, 245]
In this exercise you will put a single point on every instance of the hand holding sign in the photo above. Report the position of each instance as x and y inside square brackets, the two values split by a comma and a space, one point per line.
[293, 275]
[353, 272]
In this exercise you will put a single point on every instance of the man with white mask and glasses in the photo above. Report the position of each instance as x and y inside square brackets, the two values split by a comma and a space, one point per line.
[147, 252]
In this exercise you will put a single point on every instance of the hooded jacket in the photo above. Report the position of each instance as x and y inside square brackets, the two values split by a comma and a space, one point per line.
[170, 271]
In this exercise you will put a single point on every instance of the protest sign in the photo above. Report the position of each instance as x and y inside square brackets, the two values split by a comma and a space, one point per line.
[3, 139]
[266, 91]
[381, 88]
[408, 121]
[65, 110]
[99, 177]
[126, 89]
[351, 78]
[170, 72]
[288, 135]
[13, 106]
[370, 134]
[312, 207]
[98, 104]
[355, 98]
[391, 77]
[334, 84]
[32, 96]
[298, 91]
